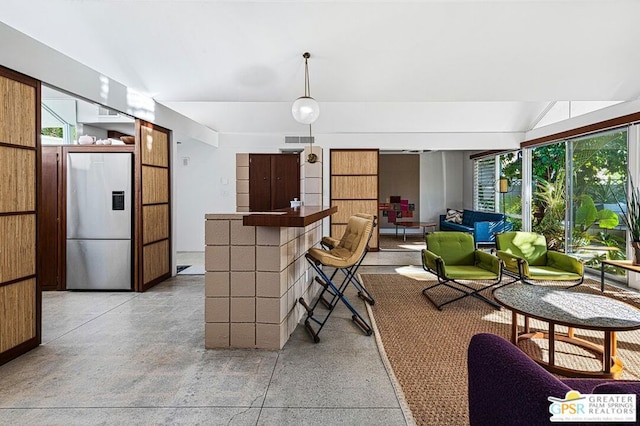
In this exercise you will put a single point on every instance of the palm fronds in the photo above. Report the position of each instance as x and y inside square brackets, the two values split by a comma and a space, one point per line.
[631, 215]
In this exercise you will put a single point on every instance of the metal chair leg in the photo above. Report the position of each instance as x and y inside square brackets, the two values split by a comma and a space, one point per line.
[338, 293]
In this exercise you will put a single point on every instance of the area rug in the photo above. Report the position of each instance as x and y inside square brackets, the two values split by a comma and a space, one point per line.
[390, 242]
[427, 348]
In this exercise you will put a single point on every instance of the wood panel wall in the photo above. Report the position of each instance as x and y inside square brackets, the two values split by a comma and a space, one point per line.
[20, 296]
[154, 218]
[354, 187]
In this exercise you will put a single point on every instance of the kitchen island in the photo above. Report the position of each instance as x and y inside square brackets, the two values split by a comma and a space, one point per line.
[255, 273]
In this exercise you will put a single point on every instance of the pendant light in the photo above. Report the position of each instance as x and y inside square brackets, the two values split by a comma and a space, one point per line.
[504, 185]
[305, 109]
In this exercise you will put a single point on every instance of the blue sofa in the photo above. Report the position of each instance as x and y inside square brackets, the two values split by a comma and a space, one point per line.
[483, 225]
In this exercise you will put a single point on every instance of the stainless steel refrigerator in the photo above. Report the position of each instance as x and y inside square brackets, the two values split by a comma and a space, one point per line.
[99, 221]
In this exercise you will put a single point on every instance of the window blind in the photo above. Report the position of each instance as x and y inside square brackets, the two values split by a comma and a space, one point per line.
[484, 175]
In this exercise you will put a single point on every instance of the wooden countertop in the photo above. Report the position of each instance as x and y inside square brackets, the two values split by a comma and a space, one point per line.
[298, 217]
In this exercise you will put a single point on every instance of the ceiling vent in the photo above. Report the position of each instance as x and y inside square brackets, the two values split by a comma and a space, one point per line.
[404, 151]
[292, 150]
[106, 111]
[299, 139]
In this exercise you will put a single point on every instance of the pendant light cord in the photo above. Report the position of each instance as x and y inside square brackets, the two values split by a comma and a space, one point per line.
[307, 87]
[311, 158]
[307, 92]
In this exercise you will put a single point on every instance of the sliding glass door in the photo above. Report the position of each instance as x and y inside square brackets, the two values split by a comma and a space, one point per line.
[511, 194]
[596, 177]
[577, 194]
[549, 193]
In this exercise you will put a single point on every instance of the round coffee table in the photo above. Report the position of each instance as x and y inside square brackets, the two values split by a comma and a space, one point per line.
[574, 310]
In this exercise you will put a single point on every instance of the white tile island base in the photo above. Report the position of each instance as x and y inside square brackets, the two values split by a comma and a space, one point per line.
[254, 278]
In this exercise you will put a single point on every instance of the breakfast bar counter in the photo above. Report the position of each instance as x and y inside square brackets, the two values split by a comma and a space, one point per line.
[255, 273]
[291, 216]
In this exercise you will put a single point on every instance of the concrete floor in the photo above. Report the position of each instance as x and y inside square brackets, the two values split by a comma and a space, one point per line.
[138, 358]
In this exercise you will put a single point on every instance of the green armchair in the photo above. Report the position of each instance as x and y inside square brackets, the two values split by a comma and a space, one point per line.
[526, 257]
[452, 256]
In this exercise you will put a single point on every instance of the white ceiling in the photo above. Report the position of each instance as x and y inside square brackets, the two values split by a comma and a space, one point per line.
[375, 67]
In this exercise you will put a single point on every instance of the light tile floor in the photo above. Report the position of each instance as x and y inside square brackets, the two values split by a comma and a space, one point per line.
[138, 358]
[195, 260]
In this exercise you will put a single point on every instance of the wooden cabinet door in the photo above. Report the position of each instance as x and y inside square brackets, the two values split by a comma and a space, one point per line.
[285, 180]
[274, 180]
[49, 219]
[259, 182]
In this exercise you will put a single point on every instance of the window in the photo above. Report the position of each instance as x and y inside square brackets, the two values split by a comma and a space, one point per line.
[548, 186]
[511, 202]
[577, 185]
[596, 181]
[484, 178]
[56, 129]
[64, 118]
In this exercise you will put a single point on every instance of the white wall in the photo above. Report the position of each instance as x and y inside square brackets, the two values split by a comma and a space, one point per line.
[194, 194]
[432, 190]
[21, 53]
[452, 141]
[467, 180]
[207, 184]
[90, 130]
[608, 113]
[453, 178]
[440, 183]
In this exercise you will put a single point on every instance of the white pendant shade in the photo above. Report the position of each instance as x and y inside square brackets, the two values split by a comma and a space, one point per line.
[305, 110]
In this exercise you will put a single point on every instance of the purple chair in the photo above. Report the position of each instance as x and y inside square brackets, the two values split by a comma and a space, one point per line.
[506, 387]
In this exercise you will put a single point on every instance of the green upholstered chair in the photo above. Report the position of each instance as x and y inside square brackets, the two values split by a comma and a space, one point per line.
[526, 258]
[452, 256]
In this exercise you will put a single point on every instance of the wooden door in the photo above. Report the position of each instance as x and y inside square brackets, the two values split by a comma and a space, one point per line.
[354, 187]
[20, 294]
[259, 182]
[153, 212]
[285, 179]
[49, 225]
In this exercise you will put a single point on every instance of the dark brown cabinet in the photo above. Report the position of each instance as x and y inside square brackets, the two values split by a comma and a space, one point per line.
[274, 180]
[49, 225]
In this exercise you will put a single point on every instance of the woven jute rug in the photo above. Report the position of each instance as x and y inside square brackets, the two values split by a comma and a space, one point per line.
[427, 348]
[391, 243]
